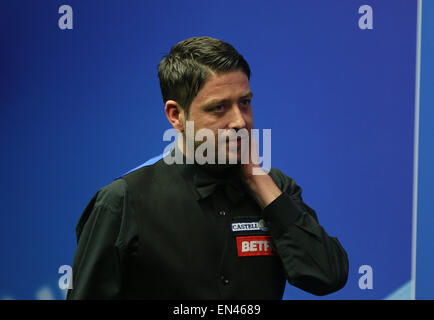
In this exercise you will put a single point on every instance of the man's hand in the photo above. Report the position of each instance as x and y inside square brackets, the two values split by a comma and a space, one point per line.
[260, 184]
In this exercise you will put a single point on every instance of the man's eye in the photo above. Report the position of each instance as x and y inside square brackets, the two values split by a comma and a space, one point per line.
[245, 101]
[217, 108]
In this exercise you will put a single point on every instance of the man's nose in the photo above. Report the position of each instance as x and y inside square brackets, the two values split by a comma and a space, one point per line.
[237, 120]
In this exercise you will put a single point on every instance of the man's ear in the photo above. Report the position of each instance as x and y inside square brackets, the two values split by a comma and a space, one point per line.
[175, 114]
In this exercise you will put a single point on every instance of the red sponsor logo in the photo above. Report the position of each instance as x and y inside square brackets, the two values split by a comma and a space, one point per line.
[254, 246]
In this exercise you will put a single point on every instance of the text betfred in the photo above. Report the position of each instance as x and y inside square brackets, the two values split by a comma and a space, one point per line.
[254, 246]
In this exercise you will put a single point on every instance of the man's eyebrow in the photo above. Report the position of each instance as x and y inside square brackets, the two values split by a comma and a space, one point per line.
[248, 95]
[213, 101]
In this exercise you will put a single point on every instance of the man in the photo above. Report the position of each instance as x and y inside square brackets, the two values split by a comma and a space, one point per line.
[204, 231]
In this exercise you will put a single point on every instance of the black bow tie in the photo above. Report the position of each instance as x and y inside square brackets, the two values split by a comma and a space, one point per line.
[206, 185]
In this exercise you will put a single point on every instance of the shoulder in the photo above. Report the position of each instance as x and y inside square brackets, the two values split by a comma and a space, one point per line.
[112, 195]
[145, 171]
[147, 178]
[107, 202]
[284, 182]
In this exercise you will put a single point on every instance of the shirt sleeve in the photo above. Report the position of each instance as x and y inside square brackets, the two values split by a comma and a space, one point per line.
[314, 261]
[97, 265]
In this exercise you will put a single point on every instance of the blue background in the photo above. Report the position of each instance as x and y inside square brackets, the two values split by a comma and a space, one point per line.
[425, 219]
[80, 107]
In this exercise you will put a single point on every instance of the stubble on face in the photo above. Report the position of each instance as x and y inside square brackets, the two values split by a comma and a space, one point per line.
[228, 93]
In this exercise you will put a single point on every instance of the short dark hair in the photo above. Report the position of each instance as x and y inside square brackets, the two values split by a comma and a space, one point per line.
[190, 62]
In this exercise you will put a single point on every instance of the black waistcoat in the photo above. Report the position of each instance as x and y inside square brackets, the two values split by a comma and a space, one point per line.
[182, 253]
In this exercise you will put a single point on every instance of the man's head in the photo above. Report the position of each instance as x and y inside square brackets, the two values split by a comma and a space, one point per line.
[183, 72]
[206, 80]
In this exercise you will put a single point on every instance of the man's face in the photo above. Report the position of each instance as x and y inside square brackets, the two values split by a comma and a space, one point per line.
[224, 102]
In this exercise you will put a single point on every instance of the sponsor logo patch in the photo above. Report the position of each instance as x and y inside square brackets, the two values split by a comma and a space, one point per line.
[254, 246]
[250, 226]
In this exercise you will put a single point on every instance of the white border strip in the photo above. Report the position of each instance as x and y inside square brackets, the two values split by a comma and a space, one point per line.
[416, 149]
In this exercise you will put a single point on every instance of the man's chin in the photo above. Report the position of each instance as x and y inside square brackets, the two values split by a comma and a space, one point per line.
[216, 167]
